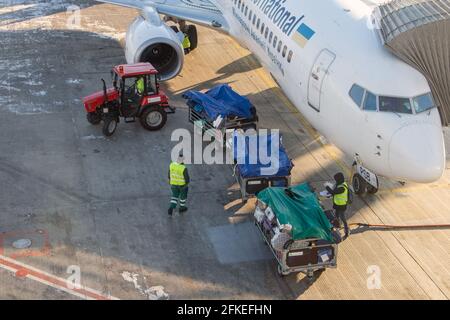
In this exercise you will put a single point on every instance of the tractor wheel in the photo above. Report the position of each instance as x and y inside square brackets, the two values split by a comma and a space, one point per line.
[109, 126]
[93, 118]
[192, 34]
[359, 184]
[153, 118]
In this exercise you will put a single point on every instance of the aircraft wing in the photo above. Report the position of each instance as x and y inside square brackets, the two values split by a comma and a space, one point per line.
[202, 12]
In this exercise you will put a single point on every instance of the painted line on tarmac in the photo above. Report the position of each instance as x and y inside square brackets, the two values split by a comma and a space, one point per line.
[25, 271]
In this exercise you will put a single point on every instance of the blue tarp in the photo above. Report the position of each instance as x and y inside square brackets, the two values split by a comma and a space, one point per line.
[220, 100]
[251, 162]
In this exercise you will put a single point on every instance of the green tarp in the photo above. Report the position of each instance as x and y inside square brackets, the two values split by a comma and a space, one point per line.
[303, 211]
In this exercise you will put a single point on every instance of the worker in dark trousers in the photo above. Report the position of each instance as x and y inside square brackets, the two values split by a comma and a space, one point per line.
[340, 199]
[179, 181]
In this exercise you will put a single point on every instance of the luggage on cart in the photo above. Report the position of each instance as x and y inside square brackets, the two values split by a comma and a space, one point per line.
[252, 172]
[297, 230]
[222, 109]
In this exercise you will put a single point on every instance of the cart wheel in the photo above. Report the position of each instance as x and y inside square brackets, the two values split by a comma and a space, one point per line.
[153, 118]
[310, 276]
[371, 189]
[93, 118]
[109, 126]
[359, 184]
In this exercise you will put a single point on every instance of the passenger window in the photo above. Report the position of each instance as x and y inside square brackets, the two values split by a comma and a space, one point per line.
[357, 94]
[254, 19]
[284, 51]
[275, 40]
[290, 56]
[280, 44]
[258, 23]
[246, 10]
[370, 103]
[239, 4]
[270, 37]
[267, 33]
[262, 28]
[250, 15]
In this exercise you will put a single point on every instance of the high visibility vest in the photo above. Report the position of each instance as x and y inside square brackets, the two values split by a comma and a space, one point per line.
[342, 198]
[140, 85]
[177, 174]
[186, 42]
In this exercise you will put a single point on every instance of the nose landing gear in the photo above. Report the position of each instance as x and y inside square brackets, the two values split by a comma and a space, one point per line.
[363, 180]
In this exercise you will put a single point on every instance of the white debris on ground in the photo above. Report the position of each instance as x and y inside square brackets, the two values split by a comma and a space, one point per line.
[33, 82]
[92, 137]
[39, 93]
[73, 81]
[152, 293]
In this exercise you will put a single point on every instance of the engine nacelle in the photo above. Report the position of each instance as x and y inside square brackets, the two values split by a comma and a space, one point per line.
[150, 40]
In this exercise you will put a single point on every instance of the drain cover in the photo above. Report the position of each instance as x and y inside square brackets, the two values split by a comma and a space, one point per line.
[22, 243]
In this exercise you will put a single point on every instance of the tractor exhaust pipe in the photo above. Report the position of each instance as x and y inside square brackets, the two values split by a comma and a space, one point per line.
[105, 96]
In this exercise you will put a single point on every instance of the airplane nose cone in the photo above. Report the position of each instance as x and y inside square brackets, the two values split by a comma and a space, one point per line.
[417, 153]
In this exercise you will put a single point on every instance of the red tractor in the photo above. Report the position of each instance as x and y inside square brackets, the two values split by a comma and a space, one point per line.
[135, 94]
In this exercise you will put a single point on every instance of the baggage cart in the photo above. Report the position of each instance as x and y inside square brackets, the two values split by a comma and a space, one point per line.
[313, 245]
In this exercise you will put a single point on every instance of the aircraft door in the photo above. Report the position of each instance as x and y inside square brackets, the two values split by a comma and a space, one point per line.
[318, 74]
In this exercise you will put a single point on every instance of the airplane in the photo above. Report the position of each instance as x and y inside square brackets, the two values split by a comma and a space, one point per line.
[329, 63]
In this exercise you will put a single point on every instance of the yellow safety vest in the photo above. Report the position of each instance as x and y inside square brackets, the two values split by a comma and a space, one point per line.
[177, 174]
[342, 198]
[140, 85]
[186, 42]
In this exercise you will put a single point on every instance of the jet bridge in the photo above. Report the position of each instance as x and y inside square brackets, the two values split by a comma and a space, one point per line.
[418, 32]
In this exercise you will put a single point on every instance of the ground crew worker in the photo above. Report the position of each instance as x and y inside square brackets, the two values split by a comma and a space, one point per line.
[179, 181]
[140, 85]
[340, 199]
[186, 44]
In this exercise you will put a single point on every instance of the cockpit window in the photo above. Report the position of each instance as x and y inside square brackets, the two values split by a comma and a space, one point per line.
[370, 103]
[357, 94]
[396, 105]
[423, 103]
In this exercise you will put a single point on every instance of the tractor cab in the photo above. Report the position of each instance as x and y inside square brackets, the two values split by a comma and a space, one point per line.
[134, 94]
[134, 83]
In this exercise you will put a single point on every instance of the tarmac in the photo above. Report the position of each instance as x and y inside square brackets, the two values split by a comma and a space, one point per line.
[97, 207]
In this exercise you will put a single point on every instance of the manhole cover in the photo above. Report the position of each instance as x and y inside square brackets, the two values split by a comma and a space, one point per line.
[22, 243]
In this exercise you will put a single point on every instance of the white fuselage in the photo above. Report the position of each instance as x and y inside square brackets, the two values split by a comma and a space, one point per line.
[318, 74]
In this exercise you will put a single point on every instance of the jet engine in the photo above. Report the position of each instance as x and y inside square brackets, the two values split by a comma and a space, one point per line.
[148, 39]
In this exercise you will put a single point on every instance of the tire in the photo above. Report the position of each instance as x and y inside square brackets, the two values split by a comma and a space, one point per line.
[93, 118]
[193, 37]
[109, 126]
[153, 118]
[359, 184]
[371, 189]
